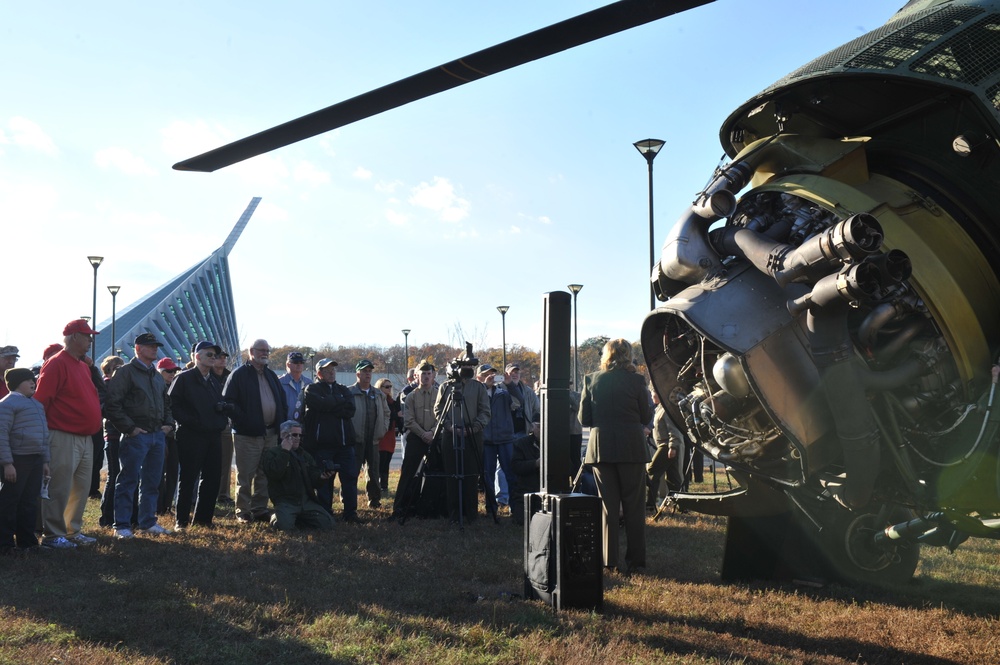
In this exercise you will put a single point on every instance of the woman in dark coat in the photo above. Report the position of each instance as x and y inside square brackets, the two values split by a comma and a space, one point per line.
[615, 406]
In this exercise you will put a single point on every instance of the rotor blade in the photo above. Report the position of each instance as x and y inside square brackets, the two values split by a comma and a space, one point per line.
[581, 29]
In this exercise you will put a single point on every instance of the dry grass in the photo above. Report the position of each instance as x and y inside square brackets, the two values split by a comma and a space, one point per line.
[424, 592]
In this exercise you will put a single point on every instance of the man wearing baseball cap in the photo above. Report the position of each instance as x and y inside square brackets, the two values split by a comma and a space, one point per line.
[138, 407]
[294, 382]
[73, 413]
[371, 421]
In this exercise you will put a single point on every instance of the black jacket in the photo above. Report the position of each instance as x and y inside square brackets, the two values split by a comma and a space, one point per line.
[196, 402]
[243, 392]
[329, 409]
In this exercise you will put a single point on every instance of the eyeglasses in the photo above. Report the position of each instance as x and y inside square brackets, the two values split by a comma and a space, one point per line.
[292, 435]
[387, 386]
[170, 371]
[263, 352]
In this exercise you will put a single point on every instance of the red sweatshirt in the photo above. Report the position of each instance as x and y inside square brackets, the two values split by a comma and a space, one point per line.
[68, 395]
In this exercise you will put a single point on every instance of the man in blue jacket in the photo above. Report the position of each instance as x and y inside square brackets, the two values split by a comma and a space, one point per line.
[258, 408]
[498, 435]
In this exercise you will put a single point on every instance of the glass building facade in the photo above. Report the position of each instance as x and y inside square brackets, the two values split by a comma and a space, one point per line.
[193, 306]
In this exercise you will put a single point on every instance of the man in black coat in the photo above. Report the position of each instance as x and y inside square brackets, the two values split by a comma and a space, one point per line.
[328, 436]
[200, 412]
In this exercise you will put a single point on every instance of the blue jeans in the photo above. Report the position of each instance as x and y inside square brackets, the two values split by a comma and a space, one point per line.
[141, 459]
[348, 475]
[493, 453]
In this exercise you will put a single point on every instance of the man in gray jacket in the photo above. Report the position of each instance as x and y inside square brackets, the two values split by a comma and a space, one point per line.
[139, 408]
[371, 421]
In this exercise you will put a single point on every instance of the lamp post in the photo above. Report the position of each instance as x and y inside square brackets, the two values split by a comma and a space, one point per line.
[94, 261]
[406, 351]
[503, 323]
[114, 298]
[312, 368]
[575, 288]
[649, 149]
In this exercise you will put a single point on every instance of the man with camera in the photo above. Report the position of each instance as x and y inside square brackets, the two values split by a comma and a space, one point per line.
[329, 437]
[292, 479]
[498, 437]
[419, 423]
[201, 415]
[463, 417]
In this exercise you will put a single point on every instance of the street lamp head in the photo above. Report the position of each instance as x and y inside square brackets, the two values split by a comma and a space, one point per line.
[85, 318]
[406, 331]
[95, 261]
[648, 148]
[114, 290]
[503, 309]
[575, 288]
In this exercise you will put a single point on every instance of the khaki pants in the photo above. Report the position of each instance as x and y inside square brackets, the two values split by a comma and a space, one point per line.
[251, 483]
[70, 465]
[226, 480]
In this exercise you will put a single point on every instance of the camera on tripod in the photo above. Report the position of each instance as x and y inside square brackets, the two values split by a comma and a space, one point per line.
[464, 366]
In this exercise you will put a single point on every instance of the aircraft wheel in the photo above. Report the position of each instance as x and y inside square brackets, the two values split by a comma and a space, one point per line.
[856, 557]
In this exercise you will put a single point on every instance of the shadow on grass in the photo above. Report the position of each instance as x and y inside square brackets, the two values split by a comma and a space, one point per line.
[382, 591]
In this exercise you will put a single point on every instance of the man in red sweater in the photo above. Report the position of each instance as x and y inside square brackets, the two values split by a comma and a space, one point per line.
[73, 412]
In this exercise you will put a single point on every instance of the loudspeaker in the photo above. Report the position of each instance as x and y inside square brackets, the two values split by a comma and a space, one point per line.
[563, 563]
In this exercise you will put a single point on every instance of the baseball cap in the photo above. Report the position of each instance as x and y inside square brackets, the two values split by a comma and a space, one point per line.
[146, 339]
[426, 367]
[296, 357]
[206, 345]
[9, 351]
[167, 364]
[324, 362]
[509, 367]
[486, 367]
[364, 364]
[79, 326]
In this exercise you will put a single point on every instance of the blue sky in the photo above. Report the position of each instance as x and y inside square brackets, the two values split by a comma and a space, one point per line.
[425, 217]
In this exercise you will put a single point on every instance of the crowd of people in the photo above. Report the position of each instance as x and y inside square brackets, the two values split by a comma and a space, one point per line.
[169, 435]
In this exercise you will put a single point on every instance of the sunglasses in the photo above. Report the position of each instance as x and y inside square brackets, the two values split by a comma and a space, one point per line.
[170, 371]
[210, 355]
[294, 436]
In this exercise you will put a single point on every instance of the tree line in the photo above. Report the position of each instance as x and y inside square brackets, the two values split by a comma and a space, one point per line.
[391, 360]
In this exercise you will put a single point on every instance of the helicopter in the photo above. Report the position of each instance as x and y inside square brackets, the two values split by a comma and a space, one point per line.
[829, 317]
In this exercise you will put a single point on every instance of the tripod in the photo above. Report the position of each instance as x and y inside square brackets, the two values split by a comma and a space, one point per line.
[461, 434]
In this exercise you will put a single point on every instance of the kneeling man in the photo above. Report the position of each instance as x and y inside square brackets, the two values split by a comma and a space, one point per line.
[292, 478]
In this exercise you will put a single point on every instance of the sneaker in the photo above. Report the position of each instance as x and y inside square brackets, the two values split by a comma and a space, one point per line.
[123, 534]
[156, 530]
[81, 539]
[59, 543]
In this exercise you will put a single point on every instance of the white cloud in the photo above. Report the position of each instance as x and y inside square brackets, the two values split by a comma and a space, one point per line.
[122, 160]
[515, 229]
[182, 139]
[387, 187]
[441, 198]
[396, 218]
[310, 173]
[544, 220]
[361, 173]
[26, 133]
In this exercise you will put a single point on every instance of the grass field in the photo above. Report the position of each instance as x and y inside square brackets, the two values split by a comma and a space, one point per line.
[425, 592]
